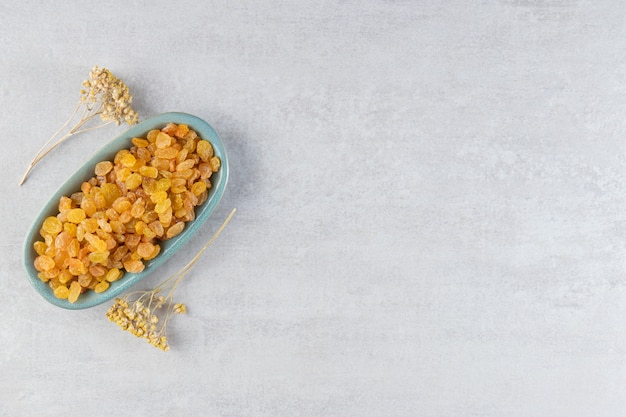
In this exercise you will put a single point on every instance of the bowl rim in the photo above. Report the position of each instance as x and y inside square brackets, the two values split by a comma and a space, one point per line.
[168, 247]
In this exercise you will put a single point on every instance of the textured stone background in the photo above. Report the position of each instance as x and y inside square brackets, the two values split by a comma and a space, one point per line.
[430, 208]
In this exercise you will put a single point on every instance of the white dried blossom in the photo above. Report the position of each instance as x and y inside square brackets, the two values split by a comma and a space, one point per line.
[104, 96]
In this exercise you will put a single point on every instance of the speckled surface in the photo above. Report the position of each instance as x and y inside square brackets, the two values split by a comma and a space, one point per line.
[430, 207]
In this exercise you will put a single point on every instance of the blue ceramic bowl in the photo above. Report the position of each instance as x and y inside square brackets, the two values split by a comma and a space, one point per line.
[168, 247]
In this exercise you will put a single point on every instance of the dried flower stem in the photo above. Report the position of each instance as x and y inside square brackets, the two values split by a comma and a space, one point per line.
[107, 97]
[136, 312]
[46, 149]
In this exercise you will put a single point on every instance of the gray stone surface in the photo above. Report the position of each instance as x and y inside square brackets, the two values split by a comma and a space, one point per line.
[430, 208]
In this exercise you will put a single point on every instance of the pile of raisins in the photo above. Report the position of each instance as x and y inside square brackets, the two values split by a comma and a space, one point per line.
[114, 223]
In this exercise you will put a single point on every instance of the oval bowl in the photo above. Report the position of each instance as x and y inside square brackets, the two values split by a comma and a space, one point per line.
[168, 247]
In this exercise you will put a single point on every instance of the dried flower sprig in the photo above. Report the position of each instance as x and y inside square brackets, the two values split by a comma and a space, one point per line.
[145, 314]
[104, 95]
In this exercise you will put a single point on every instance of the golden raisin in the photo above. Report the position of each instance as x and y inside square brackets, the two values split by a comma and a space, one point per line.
[150, 172]
[113, 275]
[198, 187]
[74, 292]
[140, 143]
[166, 153]
[151, 136]
[204, 150]
[101, 287]
[134, 266]
[44, 263]
[133, 181]
[40, 247]
[181, 131]
[51, 226]
[103, 168]
[128, 160]
[76, 267]
[145, 249]
[175, 230]
[65, 203]
[215, 163]
[163, 140]
[61, 292]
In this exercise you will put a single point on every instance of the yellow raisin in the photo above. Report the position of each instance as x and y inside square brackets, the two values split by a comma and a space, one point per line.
[148, 171]
[128, 160]
[40, 247]
[215, 163]
[186, 164]
[121, 205]
[157, 228]
[65, 203]
[138, 208]
[185, 174]
[134, 266]
[140, 143]
[170, 128]
[104, 225]
[44, 263]
[97, 270]
[175, 230]
[76, 267]
[61, 292]
[198, 187]
[65, 276]
[99, 257]
[89, 206]
[133, 181]
[52, 274]
[182, 156]
[151, 136]
[86, 187]
[103, 168]
[158, 197]
[126, 216]
[181, 131]
[110, 192]
[149, 233]
[76, 215]
[205, 170]
[144, 154]
[99, 199]
[51, 226]
[113, 275]
[122, 174]
[89, 225]
[70, 228]
[85, 280]
[118, 227]
[101, 286]
[98, 245]
[62, 240]
[74, 292]
[163, 184]
[204, 150]
[140, 226]
[166, 217]
[145, 249]
[163, 140]
[166, 153]
[157, 250]
[163, 205]
[73, 248]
